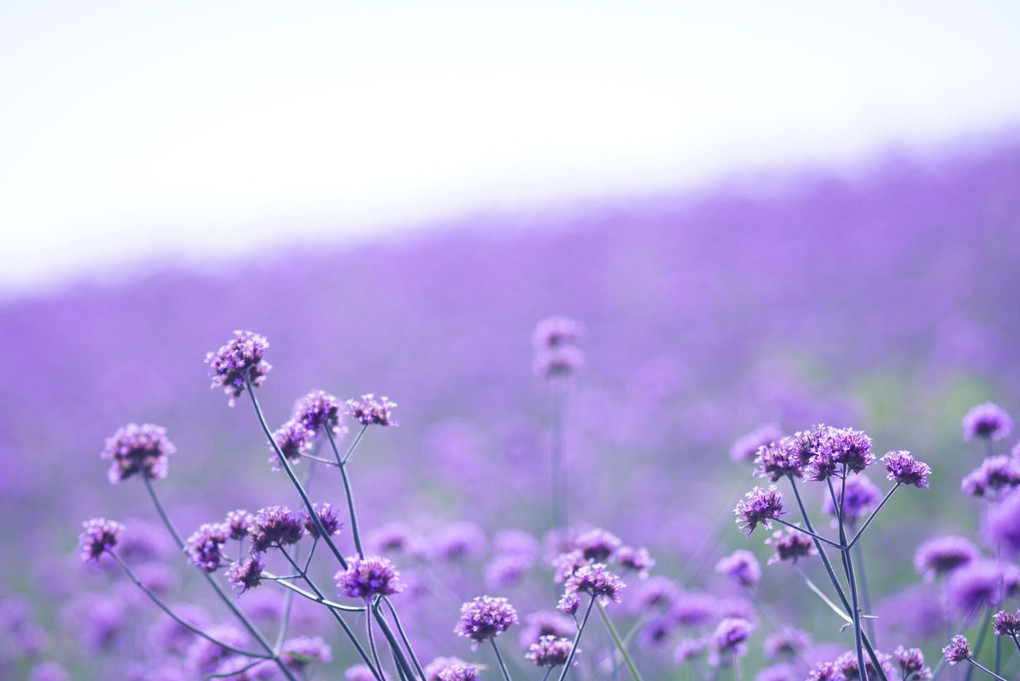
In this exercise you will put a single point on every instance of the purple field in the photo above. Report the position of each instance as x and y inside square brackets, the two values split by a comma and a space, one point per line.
[887, 302]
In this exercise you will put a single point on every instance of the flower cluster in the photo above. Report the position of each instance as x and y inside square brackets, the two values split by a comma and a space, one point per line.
[98, 537]
[759, 508]
[485, 618]
[368, 577]
[550, 651]
[987, 421]
[238, 363]
[556, 352]
[369, 410]
[141, 449]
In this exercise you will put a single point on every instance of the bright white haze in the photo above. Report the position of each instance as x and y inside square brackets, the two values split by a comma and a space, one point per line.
[203, 130]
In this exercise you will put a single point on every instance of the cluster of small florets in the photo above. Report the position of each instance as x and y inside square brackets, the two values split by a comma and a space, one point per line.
[597, 545]
[729, 640]
[848, 668]
[372, 411]
[1007, 623]
[597, 581]
[433, 668]
[840, 447]
[556, 352]
[903, 469]
[995, 476]
[275, 526]
[988, 421]
[740, 566]
[981, 583]
[458, 672]
[298, 652]
[790, 545]
[637, 560]
[247, 574]
[367, 577]
[860, 496]
[328, 517]
[778, 460]
[319, 411]
[746, 448]
[238, 363]
[205, 546]
[911, 664]
[958, 650]
[238, 523]
[484, 618]
[759, 507]
[98, 537]
[140, 449]
[550, 651]
[293, 440]
[545, 623]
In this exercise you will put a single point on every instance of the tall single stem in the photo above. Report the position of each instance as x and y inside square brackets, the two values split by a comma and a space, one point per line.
[619, 643]
[499, 659]
[577, 639]
[980, 643]
[848, 565]
[371, 638]
[347, 491]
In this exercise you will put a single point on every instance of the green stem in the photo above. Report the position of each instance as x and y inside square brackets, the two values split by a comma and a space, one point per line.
[619, 643]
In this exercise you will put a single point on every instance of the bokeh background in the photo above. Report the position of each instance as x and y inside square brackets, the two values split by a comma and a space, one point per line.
[761, 213]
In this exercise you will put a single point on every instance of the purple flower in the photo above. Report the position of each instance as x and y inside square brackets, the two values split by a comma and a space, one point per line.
[790, 544]
[205, 546]
[299, 651]
[778, 672]
[846, 664]
[246, 575]
[848, 447]
[694, 608]
[275, 526]
[787, 642]
[239, 362]
[566, 564]
[550, 651]
[569, 603]
[958, 650]
[205, 657]
[741, 566]
[370, 411]
[319, 410]
[238, 523]
[597, 545]
[596, 581]
[861, 497]
[359, 672]
[367, 577]
[746, 448]
[484, 618]
[1007, 623]
[137, 449]
[293, 440]
[506, 569]
[655, 593]
[730, 638]
[438, 664]
[554, 332]
[911, 663]
[976, 584]
[996, 473]
[759, 508]
[825, 671]
[779, 459]
[559, 362]
[903, 469]
[393, 538]
[987, 420]
[458, 541]
[544, 623]
[942, 555]
[98, 537]
[637, 560]
[458, 672]
[328, 516]
[688, 649]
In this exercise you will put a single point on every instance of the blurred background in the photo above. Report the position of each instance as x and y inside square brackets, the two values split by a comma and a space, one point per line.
[762, 213]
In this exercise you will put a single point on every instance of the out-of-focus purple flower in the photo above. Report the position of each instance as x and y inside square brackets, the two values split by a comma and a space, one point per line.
[238, 523]
[694, 608]
[655, 593]
[49, 671]
[238, 362]
[982, 582]
[458, 541]
[597, 545]
[369, 410]
[171, 636]
[506, 569]
[1007, 623]
[205, 657]
[328, 515]
[740, 566]
[293, 440]
[902, 468]
[996, 473]
[319, 410]
[556, 352]
[848, 447]
[787, 642]
[777, 672]
[846, 664]
[559, 362]
[134, 448]
[688, 649]
[1003, 524]
[656, 631]
[516, 542]
[942, 555]
[367, 577]
[98, 537]
[779, 459]
[596, 581]
[566, 564]
[637, 560]
[275, 526]
[759, 508]
[459, 672]
[205, 546]
[438, 664]
[359, 672]
[825, 671]
[911, 664]
[861, 496]
[246, 575]
[544, 623]
[729, 640]
[550, 651]
[746, 448]
[789, 544]
[393, 538]
[554, 332]
[987, 420]
[300, 650]
[484, 618]
[958, 650]
[569, 603]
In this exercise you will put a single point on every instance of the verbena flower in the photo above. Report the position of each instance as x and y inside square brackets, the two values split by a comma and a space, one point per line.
[694, 609]
[567, 563]
[293, 440]
[550, 651]
[911, 664]
[569, 603]
[506, 569]
[688, 649]
[98, 537]
[741, 566]
[996, 473]
[556, 352]
[134, 448]
[861, 496]
[789, 544]
[1007, 623]
[759, 508]
[787, 642]
[438, 664]
[484, 618]
[328, 516]
[979, 583]
[596, 581]
[848, 447]
[458, 541]
[393, 538]
[779, 459]
[846, 664]
[369, 410]
[359, 672]
[637, 560]
[825, 671]
[942, 555]
[902, 468]
[317, 411]
[459, 672]
[205, 546]
[275, 526]
[238, 362]
[246, 575]
[958, 650]
[559, 362]
[597, 545]
[1003, 524]
[987, 420]
[729, 640]
[367, 577]
[300, 650]
[746, 448]
[544, 623]
[238, 523]
[554, 332]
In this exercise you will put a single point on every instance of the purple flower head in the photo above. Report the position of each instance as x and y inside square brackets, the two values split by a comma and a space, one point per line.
[779, 459]
[544, 623]
[205, 657]
[484, 618]
[902, 468]
[367, 577]
[790, 544]
[987, 420]
[1002, 524]
[359, 672]
[636, 560]
[318, 410]
[911, 664]
[437, 665]
[275, 526]
[654, 594]
[996, 473]
[369, 410]
[787, 642]
[238, 362]
[569, 603]
[458, 541]
[825, 671]
[1007, 623]
[246, 575]
[958, 650]
[98, 537]
[550, 651]
[597, 545]
[778, 672]
[506, 569]
[942, 555]
[861, 497]
[694, 608]
[746, 448]
[656, 631]
[688, 649]
[516, 542]
[559, 362]
[596, 581]
[566, 564]
[760, 507]
[458, 672]
[393, 538]
[729, 640]
[846, 664]
[982, 582]
[848, 447]
[205, 546]
[49, 671]
[293, 440]
[138, 449]
[554, 332]
[238, 523]
[328, 516]
[740, 566]
[299, 651]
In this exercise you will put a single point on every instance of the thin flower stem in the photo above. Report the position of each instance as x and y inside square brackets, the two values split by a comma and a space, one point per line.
[860, 532]
[1016, 642]
[817, 537]
[175, 617]
[975, 663]
[545, 677]
[288, 598]
[499, 658]
[577, 639]
[347, 491]
[619, 643]
[235, 673]
[559, 493]
[227, 600]
[980, 642]
[998, 654]
[315, 599]
[371, 638]
[865, 591]
[811, 585]
[354, 445]
[403, 636]
[848, 565]
[318, 459]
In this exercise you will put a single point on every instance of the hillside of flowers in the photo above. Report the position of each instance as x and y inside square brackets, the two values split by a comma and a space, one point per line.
[738, 434]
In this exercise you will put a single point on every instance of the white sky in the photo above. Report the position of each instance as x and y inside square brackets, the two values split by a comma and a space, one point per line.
[208, 129]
